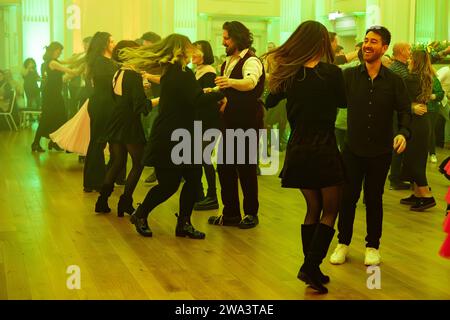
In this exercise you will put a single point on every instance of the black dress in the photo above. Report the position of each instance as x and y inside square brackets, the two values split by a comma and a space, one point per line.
[416, 153]
[125, 126]
[312, 158]
[54, 113]
[181, 94]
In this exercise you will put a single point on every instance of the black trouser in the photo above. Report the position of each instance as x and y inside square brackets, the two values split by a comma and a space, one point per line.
[229, 175]
[169, 180]
[397, 159]
[372, 172]
[210, 174]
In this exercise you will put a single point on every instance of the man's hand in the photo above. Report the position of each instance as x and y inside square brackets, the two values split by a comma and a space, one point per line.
[399, 143]
[223, 104]
[223, 82]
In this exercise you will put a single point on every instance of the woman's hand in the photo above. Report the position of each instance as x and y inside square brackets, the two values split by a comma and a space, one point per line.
[223, 104]
[419, 109]
[399, 143]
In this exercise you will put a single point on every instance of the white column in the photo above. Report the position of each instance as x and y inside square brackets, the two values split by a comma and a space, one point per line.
[425, 17]
[373, 13]
[290, 18]
[36, 28]
[185, 18]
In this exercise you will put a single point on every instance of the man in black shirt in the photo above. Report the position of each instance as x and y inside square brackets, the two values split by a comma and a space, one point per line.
[373, 93]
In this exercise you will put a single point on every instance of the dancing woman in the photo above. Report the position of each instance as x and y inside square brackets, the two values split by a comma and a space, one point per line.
[314, 90]
[180, 96]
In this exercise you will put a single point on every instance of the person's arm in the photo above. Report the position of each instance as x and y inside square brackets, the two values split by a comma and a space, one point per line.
[438, 92]
[251, 71]
[273, 99]
[54, 65]
[152, 77]
[192, 92]
[338, 81]
[141, 104]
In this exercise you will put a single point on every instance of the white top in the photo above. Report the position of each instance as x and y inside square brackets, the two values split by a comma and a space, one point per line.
[443, 75]
[252, 68]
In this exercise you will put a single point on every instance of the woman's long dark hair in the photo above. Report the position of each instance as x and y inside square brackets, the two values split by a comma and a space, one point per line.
[50, 50]
[421, 66]
[309, 41]
[97, 48]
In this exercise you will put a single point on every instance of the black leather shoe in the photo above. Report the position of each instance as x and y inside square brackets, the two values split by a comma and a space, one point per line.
[188, 230]
[249, 222]
[222, 221]
[423, 204]
[209, 203]
[410, 201]
[141, 225]
[36, 147]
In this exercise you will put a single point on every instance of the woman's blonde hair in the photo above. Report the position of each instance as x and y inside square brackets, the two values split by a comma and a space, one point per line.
[174, 49]
[421, 66]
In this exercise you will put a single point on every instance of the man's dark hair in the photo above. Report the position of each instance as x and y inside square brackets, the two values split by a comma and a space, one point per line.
[208, 56]
[383, 32]
[151, 36]
[240, 34]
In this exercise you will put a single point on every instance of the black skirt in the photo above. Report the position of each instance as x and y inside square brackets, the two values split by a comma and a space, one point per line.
[313, 160]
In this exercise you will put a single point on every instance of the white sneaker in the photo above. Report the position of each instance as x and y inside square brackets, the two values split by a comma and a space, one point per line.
[433, 158]
[339, 255]
[373, 257]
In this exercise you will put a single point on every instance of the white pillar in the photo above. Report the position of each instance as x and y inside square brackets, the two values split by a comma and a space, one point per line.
[290, 18]
[185, 18]
[36, 28]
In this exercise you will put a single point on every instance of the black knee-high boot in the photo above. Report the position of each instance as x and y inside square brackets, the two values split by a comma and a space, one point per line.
[307, 236]
[186, 229]
[317, 251]
[101, 206]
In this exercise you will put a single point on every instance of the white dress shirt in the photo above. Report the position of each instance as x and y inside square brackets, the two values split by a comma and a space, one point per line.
[252, 68]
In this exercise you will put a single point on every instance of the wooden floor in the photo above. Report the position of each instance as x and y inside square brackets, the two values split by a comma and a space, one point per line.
[47, 224]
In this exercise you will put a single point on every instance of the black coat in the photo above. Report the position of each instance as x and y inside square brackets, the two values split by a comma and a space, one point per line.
[181, 95]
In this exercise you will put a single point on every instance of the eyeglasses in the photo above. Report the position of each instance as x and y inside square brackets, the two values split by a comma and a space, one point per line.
[376, 28]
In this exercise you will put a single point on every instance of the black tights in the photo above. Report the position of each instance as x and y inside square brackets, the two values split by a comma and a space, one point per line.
[326, 200]
[119, 154]
[169, 180]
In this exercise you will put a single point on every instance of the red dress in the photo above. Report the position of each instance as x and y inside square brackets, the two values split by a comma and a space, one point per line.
[445, 249]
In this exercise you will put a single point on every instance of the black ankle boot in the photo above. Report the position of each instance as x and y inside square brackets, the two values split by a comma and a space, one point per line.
[52, 145]
[307, 236]
[186, 229]
[101, 206]
[310, 272]
[36, 147]
[141, 223]
[125, 206]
